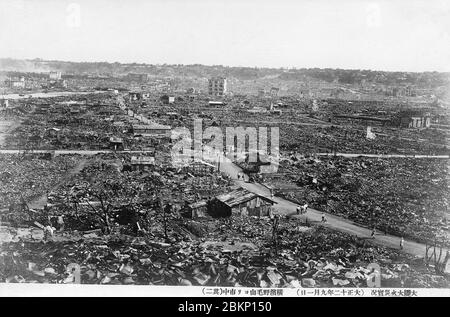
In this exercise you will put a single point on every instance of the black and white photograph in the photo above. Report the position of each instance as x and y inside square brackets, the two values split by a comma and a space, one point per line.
[209, 148]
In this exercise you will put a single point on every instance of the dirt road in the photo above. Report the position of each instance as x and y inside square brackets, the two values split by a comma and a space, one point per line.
[285, 207]
[41, 201]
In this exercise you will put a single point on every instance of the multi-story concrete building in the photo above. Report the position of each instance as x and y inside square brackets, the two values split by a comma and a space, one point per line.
[18, 83]
[217, 86]
[54, 75]
[274, 91]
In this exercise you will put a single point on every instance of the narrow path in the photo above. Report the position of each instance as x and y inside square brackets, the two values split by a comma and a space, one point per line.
[95, 152]
[41, 201]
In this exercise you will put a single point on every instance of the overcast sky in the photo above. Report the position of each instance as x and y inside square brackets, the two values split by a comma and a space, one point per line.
[403, 35]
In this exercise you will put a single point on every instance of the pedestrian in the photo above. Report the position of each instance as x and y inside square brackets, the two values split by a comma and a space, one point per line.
[373, 233]
[298, 210]
[305, 208]
[323, 218]
[401, 243]
[61, 223]
[48, 232]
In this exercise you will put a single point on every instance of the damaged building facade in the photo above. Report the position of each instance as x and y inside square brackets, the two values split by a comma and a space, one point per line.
[217, 86]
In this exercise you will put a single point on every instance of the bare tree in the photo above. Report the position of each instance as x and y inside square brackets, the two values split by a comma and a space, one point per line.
[104, 193]
[435, 256]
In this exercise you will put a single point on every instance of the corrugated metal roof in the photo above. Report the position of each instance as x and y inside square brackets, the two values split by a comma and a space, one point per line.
[151, 126]
[239, 196]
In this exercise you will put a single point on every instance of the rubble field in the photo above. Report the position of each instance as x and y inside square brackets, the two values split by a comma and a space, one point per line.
[125, 227]
[121, 217]
[401, 196]
[243, 254]
[25, 177]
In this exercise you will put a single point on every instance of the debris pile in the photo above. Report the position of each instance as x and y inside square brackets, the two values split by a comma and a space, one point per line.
[317, 258]
[398, 196]
[24, 177]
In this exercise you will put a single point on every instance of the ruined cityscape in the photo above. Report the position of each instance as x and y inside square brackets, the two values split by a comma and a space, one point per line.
[355, 186]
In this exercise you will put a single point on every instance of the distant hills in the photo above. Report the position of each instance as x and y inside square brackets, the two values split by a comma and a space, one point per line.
[341, 76]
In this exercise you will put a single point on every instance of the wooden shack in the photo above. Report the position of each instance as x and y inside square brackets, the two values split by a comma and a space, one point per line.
[116, 143]
[195, 210]
[241, 202]
[152, 130]
[142, 163]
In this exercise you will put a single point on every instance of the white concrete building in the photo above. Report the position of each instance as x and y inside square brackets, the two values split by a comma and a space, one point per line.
[217, 86]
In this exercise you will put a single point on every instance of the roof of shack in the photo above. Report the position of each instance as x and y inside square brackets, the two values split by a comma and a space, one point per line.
[240, 196]
[151, 126]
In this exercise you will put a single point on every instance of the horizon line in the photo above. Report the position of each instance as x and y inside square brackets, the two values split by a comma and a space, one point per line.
[221, 65]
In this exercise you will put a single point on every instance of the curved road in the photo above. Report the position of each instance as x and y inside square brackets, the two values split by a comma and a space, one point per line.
[285, 207]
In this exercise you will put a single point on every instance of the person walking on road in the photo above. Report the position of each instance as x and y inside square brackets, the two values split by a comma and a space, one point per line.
[324, 220]
[305, 208]
[298, 210]
[402, 241]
